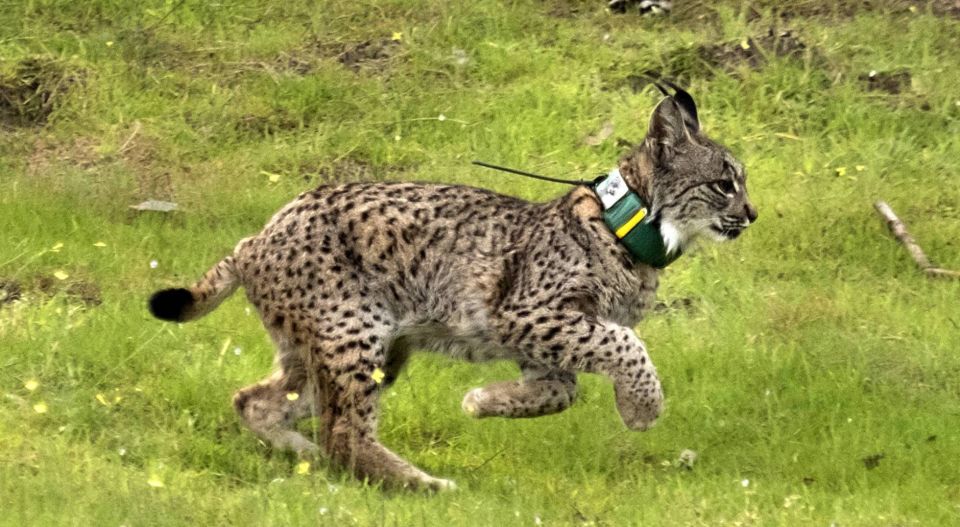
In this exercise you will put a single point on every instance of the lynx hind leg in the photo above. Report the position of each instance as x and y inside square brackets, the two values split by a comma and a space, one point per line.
[348, 396]
[268, 410]
[540, 392]
[271, 408]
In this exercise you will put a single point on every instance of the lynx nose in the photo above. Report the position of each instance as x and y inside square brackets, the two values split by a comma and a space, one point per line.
[751, 212]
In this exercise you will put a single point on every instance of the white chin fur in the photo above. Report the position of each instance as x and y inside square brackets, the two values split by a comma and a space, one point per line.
[716, 236]
[673, 239]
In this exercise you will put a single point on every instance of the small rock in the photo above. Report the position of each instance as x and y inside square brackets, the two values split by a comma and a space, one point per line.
[155, 206]
[688, 458]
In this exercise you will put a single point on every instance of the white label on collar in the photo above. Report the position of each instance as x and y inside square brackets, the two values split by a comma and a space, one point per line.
[612, 188]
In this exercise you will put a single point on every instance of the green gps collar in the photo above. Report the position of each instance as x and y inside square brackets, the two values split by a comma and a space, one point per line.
[630, 221]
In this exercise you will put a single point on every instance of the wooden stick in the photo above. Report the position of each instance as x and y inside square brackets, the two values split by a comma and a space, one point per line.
[899, 230]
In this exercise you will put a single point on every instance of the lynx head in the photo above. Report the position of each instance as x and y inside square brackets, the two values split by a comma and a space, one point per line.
[694, 185]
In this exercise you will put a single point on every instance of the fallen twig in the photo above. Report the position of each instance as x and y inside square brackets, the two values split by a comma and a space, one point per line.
[899, 230]
[126, 144]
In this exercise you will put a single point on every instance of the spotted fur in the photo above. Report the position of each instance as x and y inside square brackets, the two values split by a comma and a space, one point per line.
[349, 279]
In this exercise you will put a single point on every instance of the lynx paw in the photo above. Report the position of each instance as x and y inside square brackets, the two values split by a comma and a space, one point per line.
[441, 485]
[432, 484]
[472, 402]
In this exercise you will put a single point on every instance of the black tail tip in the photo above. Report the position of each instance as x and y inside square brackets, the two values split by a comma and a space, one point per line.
[171, 304]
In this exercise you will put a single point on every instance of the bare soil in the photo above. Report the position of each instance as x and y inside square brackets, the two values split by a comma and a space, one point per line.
[34, 89]
[373, 54]
[10, 291]
[79, 291]
[755, 52]
[139, 154]
[369, 55]
[892, 82]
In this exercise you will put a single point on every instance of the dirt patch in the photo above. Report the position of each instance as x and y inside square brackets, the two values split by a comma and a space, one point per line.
[10, 291]
[297, 64]
[849, 8]
[149, 165]
[368, 55]
[80, 152]
[373, 54]
[78, 291]
[684, 305]
[33, 89]
[935, 7]
[86, 292]
[47, 285]
[264, 124]
[872, 461]
[943, 7]
[754, 52]
[820, 9]
[892, 82]
[151, 49]
[569, 8]
[703, 13]
[703, 60]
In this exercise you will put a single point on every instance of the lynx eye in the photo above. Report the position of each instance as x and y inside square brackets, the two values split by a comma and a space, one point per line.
[725, 186]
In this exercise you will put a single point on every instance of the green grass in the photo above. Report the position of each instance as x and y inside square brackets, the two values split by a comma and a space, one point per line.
[808, 345]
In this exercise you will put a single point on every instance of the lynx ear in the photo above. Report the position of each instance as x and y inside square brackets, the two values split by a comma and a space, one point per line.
[667, 128]
[684, 100]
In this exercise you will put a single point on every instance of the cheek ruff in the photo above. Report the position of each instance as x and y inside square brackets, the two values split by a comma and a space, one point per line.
[673, 239]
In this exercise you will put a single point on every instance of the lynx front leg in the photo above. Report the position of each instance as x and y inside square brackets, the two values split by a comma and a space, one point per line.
[541, 392]
[574, 341]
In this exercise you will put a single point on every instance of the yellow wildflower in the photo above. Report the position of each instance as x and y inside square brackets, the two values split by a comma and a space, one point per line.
[271, 177]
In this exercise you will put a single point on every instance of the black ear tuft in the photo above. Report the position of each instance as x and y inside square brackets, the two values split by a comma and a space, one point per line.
[660, 87]
[687, 105]
[171, 304]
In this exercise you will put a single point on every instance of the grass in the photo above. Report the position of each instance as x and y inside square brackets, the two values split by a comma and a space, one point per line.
[809, 364]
